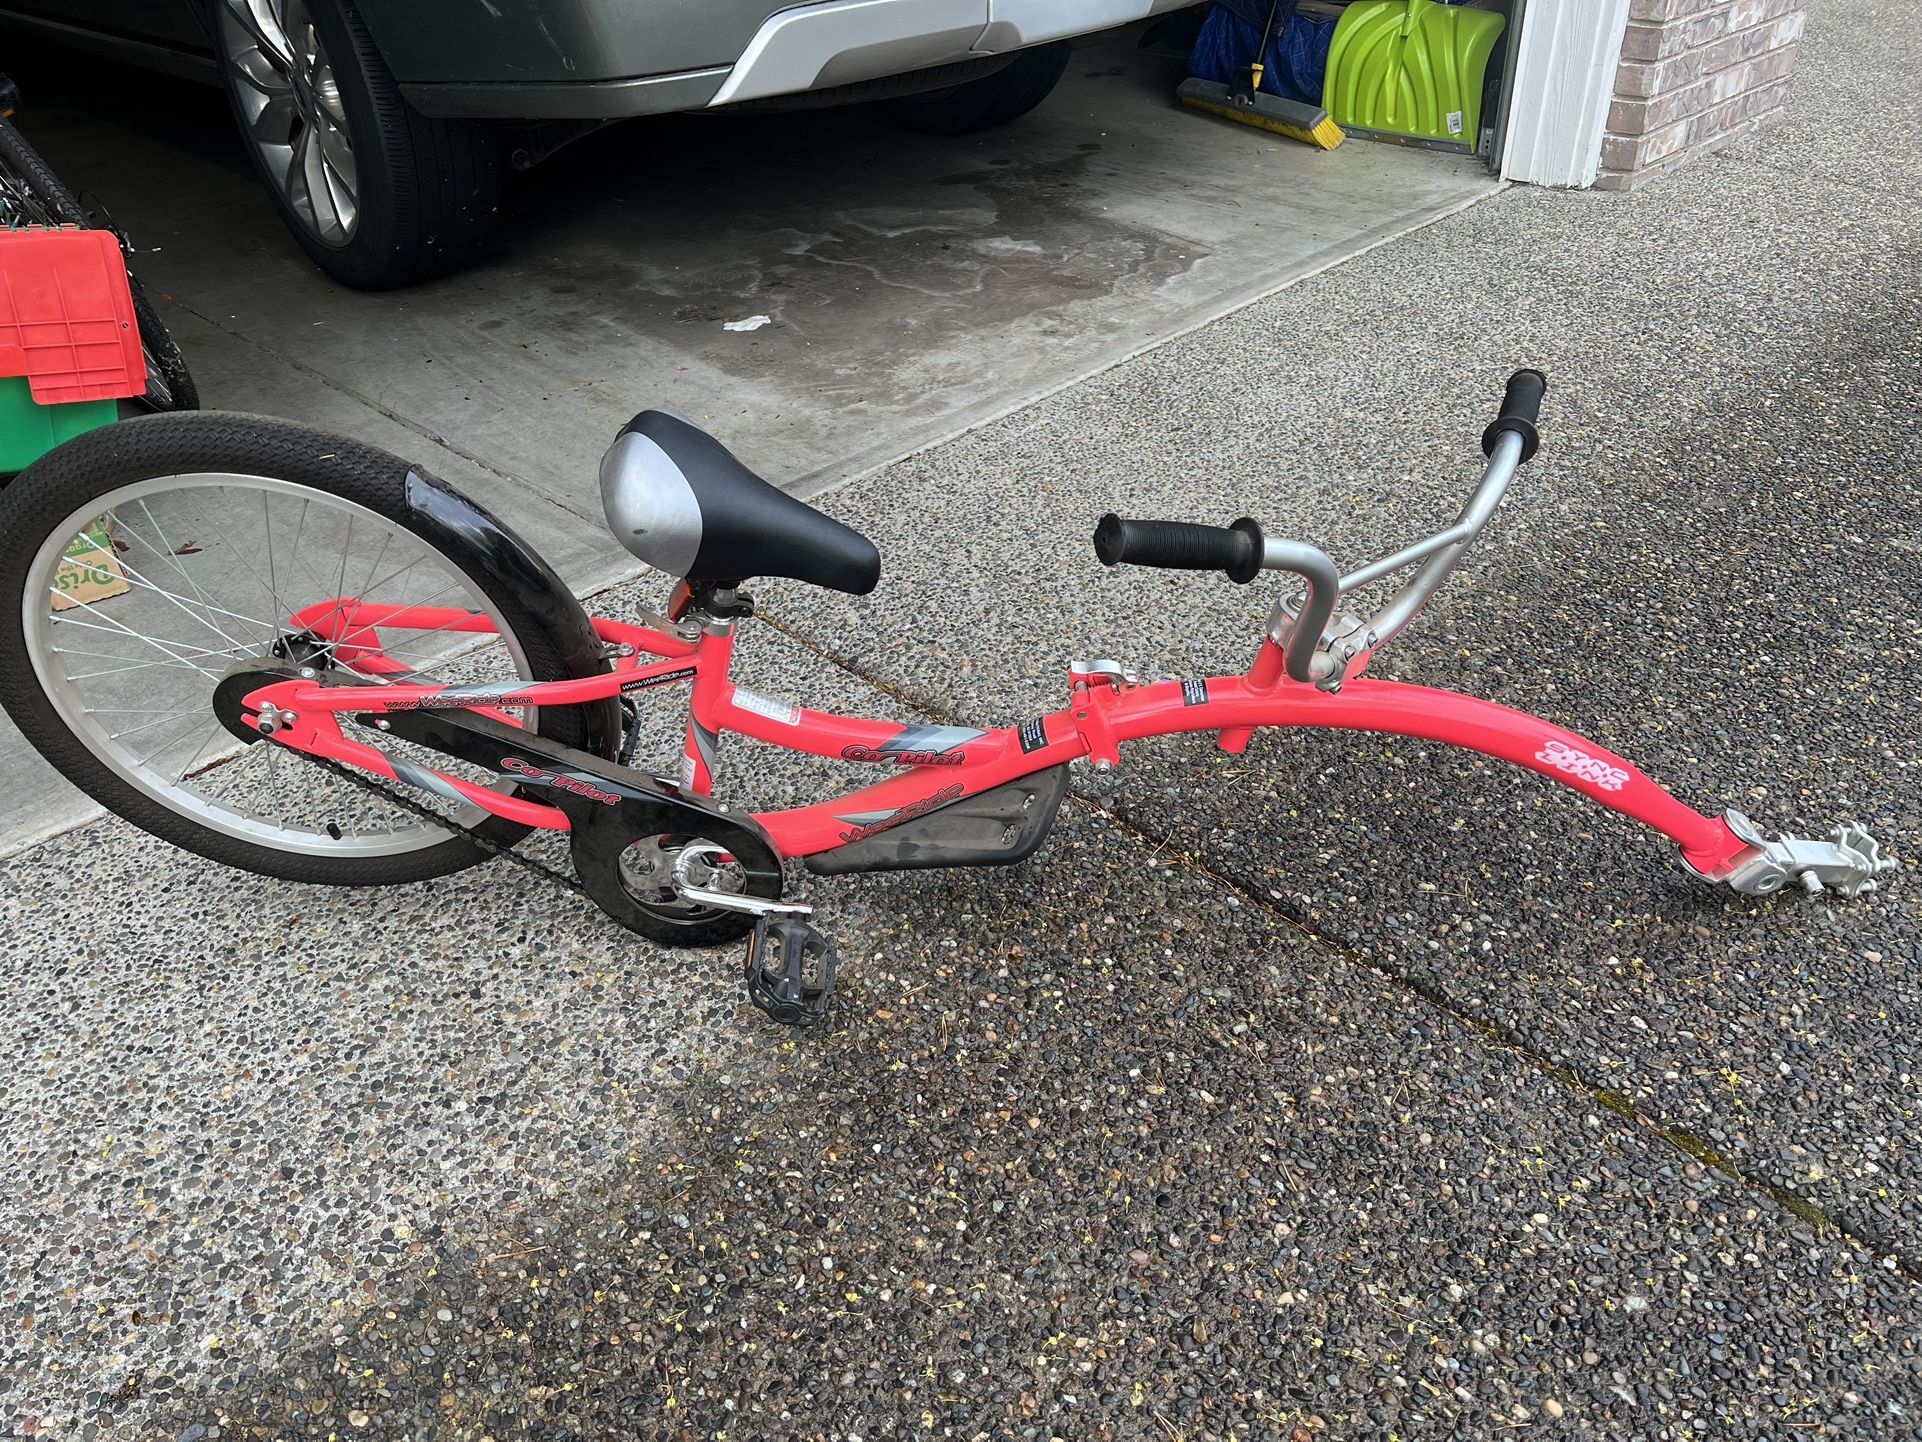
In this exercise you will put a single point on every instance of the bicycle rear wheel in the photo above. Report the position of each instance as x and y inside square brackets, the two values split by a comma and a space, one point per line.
[140, 561]
[29, 189]
[31, 194]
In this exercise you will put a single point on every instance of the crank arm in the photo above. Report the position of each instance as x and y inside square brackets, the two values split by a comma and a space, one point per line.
[752, 905]
[687, 890]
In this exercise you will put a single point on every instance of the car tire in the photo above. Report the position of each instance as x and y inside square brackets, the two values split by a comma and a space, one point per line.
[994, 99]
[376, 193]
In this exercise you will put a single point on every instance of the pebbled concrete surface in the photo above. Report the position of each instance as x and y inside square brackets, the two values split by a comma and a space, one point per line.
[1711, 569]
[1856, 68]
[1343, 1090]
[1057, 1168]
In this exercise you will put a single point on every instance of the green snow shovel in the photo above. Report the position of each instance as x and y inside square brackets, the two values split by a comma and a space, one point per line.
[1411, 68]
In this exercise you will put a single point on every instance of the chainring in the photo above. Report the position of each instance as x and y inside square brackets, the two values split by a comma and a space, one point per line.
[600, 837]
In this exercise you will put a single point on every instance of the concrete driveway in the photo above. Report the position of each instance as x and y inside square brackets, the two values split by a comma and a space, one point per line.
[1346, 1089]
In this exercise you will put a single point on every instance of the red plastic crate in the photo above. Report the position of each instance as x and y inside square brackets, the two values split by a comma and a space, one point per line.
[66, 316]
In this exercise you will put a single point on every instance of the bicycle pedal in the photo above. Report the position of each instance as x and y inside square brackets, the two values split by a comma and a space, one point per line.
[790, 971]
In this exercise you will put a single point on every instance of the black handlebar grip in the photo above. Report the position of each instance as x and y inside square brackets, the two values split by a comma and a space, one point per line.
[1181, 546]
[1521, 413]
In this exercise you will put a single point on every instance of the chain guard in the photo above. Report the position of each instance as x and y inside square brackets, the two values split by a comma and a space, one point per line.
[608, 809]
[608, 806]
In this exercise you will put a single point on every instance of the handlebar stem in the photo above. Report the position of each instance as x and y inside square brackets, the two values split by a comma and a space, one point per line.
[1299, 633]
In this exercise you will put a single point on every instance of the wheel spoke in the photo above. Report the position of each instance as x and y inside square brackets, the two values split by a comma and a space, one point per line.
[327, 97]
[162, 647]
[213, 575]
[273, 584]
[167, 548]
[298, 27]
[137, 579]
[164, 720]
[294, 183]
[343, 181]
[273, 125]
[240, 553]
[319, 183]
[262, 22]
[140, 666]
[193, 760]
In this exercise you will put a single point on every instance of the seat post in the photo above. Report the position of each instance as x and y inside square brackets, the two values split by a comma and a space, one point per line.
[713, 660]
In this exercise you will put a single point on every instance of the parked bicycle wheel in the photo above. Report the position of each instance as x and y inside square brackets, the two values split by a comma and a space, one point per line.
[31, 194]
[139, 562]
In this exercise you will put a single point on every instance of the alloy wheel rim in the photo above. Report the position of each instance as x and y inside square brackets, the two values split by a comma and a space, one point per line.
[293, 113]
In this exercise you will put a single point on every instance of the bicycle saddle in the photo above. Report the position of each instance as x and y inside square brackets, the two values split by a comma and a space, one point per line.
[676, 498]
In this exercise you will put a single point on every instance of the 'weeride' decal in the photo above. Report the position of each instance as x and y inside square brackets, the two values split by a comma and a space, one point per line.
[873, 823]
[1581, 765]
[641, 683]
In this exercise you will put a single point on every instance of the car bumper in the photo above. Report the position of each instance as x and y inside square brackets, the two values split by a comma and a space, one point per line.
[807, 47]
[567, 99]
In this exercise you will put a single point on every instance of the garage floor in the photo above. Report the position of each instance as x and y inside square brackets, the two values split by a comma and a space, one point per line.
[915, 287]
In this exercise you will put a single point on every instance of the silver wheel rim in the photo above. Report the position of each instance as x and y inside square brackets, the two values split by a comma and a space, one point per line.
[113, 680]
[291, 109]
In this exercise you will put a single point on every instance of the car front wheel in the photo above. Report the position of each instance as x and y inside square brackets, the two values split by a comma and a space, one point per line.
[376, 193]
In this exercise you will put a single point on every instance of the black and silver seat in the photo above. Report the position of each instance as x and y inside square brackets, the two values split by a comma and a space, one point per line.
[677, 499]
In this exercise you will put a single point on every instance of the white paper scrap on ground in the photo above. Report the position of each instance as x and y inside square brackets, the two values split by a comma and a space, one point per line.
[753, 322]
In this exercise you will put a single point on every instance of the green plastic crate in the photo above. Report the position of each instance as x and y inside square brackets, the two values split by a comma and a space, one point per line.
[29, 430]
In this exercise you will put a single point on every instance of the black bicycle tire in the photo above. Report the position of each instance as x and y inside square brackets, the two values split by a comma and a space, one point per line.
[15, 152]
[100, 461]
[158, 342]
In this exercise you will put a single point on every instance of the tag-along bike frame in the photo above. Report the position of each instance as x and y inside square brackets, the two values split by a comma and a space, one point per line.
[1309, 670]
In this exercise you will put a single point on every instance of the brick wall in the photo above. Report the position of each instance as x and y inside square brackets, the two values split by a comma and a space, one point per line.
[1695, 74]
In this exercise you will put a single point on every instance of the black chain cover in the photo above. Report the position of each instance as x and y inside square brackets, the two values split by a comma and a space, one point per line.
[608, 806]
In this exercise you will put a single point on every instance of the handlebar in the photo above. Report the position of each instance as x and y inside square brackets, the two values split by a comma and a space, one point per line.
[1243, 552]
[1181, 546]
[1521, 412]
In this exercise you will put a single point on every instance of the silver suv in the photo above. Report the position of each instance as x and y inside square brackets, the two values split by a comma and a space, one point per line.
[381, 127]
